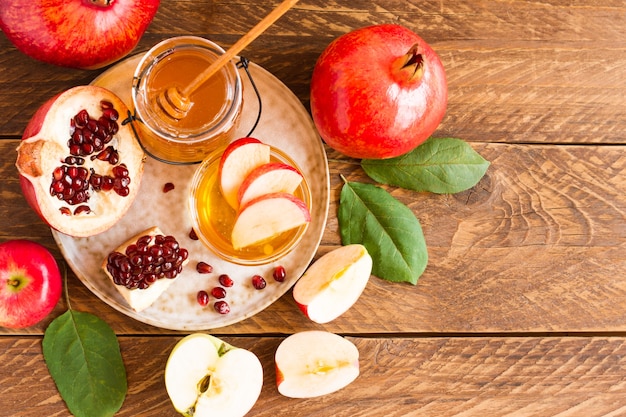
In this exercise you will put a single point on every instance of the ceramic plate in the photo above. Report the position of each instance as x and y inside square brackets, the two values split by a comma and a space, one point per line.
[284, 124]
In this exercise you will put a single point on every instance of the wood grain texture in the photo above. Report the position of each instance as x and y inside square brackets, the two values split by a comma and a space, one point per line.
[520, 311]
[517, 252]
[517, 72]
[399, 377]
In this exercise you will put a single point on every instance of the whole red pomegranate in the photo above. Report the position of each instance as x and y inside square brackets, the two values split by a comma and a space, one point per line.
[378, 92]
[80, 165]
[76, 33]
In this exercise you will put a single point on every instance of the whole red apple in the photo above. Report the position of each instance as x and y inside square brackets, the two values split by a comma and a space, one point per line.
[31, 283]
[85, 34]
[378, 92]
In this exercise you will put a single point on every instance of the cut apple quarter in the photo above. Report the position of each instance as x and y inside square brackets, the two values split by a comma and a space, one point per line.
[274, 177]
[315, 363]
[266, 217]
[205, 376]
[333, 283]
[239, 159]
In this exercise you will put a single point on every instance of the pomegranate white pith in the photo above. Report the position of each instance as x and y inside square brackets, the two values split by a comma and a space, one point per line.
[47, 153]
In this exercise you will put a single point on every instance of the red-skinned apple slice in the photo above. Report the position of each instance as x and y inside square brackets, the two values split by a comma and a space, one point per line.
[267, 216]
[239, 159]
[273, 177]
[205, 376]
[315, 363]
[333, 283]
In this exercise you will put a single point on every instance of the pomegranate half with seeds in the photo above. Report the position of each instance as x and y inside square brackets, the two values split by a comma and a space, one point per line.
[79, 161]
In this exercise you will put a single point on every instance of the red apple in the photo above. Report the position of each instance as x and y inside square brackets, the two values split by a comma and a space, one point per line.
[239, 159]
[267, 216]
[31, 284]
[85, 34]
[274, 177]
[378, 92]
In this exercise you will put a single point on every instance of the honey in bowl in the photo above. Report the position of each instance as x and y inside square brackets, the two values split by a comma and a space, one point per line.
[214, 114]
[214, 218]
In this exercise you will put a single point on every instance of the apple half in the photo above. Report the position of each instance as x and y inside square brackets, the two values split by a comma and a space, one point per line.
[204, 376]
[273, 177]
[239, 159]
[267, 216]
[333, 283]
[314, 363]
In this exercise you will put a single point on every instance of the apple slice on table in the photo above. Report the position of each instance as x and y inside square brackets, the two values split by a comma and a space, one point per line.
[239, 159]
[267, 216]
[314, 363]
[333, 283]
[273, 177]
[205, 376]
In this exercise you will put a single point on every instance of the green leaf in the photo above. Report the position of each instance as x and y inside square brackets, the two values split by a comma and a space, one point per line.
[83, 357]
[387, 228]
[442, 166]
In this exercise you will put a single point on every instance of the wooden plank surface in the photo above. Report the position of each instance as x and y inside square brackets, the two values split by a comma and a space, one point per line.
[536, 246]
[521, 310]
[491, 376]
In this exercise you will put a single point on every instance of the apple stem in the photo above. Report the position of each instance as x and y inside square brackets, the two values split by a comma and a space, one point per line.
[13, 282]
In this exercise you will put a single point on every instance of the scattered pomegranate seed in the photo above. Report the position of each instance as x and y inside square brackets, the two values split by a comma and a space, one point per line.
[168, 187]
[225, 280]
[203, 298]
[221, 307]
[204, 268]
[193, 235]
[218, 292]
[279, 273]
[258, 282]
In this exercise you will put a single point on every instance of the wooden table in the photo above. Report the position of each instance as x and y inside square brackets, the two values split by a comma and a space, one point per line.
[522, 309]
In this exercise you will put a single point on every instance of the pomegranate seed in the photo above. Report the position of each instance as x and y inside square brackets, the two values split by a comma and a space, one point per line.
[225, 280]
[65, 211]
[82, 209]
[279, 273]
[221, 307]
[142, 263]
[193, 235]
[203, 298]
[218, 292]
[258, 282]
[204, 268]
[168, 187]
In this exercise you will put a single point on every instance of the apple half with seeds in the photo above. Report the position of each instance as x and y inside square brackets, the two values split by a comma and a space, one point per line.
[145, 266]
[315, 363]
[333, 283]
[204, 376]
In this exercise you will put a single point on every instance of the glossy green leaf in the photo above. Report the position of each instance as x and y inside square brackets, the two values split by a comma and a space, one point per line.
[388, 229]
[83, 356]
[439, 165]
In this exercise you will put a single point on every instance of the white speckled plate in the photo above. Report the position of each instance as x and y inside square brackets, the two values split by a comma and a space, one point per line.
[284, 124]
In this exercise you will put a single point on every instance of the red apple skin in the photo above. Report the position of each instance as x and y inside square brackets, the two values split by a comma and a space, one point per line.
[232, 147]
[86, 34]
[365, 105]
[31, 283]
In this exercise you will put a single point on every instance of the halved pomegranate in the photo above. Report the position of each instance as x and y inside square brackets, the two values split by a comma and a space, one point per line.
[80, 166]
